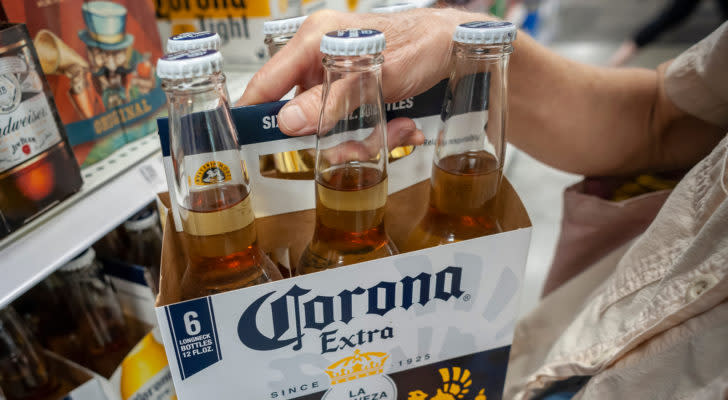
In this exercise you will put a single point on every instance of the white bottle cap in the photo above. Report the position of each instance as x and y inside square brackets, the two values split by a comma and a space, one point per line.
[81, 261]
[189, 64]
[352, 42]
[193, 41]
[394, 8]
[283, 26]
[141, 221]
[485, 32]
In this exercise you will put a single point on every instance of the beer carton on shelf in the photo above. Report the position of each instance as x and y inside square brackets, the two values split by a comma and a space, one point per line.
[139, 369]
[87, 385]
[143, 373]
[430, 324]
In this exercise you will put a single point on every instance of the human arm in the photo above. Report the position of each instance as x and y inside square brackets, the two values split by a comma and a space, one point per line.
[579, 118]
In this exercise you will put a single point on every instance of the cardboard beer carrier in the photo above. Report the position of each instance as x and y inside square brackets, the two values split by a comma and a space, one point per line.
[430, 324]
[98, 58]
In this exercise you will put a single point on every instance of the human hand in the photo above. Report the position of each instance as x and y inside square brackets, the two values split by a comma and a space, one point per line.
[416, 58]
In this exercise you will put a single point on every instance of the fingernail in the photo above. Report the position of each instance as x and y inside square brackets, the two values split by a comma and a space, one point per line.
[291, 118]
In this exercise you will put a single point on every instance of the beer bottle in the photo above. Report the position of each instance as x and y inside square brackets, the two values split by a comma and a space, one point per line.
[145, 237]
[190, 41]
[209, 189]
[187, 41]
[47, 312]
[468, 159]
[37, 166]
[23, 370]
[400, 151]
[351, 155]
[394, 8]
[103, 329]
[296, 164]
[278, 32]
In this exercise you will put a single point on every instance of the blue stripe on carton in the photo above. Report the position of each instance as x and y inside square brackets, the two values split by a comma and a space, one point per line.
[125, 271]
[194, 335]
[257, 124]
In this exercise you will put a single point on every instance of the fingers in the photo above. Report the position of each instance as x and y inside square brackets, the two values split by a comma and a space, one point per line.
[403, 132]
[297, 63]
[400, 132]
[303, 115]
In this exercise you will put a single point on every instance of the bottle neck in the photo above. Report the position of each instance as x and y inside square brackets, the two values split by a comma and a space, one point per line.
[469, 52]
[276, 42]
[197, 94]
[371, 63]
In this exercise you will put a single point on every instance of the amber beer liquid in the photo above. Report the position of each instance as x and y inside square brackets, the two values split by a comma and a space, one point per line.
[463, 202]
[349, 219]
[209, 191]
[351, 157]
[219, 262]
[468, 160]
[37, 167]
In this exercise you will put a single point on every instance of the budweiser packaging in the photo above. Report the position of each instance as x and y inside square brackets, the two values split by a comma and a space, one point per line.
[37, 168]
[384, 303]
[98, 57]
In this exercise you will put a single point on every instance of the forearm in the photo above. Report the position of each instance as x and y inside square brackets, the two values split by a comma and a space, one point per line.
[579, 118]
[575, 117]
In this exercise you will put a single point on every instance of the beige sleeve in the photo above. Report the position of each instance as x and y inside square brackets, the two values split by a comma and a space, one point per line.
[697, 80]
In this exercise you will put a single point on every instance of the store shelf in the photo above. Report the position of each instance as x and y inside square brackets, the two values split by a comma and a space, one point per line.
[113, 190]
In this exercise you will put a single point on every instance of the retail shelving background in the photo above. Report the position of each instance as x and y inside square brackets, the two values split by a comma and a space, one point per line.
[113, 190]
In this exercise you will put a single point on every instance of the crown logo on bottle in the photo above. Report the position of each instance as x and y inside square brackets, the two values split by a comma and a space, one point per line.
[360, 365]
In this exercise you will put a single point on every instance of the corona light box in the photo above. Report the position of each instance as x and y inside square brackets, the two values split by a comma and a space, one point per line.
[433, 324]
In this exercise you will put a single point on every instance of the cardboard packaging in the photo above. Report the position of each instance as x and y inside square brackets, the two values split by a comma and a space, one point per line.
[144, 372]
[240, 23]
[98, 58]
[430, 324]
[86, 385]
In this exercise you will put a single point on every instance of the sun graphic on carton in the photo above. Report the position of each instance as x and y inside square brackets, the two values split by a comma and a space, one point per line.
[456, 384]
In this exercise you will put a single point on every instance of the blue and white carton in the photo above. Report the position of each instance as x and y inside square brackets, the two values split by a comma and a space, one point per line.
[432, 324]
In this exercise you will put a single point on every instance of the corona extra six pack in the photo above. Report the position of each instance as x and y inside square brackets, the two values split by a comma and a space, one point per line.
[399, 286]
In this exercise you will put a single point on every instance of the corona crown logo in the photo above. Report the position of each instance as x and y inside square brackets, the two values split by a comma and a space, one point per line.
[360, 365]
[212, 172]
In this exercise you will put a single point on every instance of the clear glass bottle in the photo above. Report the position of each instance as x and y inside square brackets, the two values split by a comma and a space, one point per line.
[297, 164]
[399, 151]
[103, 328]
[468, 159]
[145, 244]
[394, 8]
[278, 32]
[210, 191]
[24, 374]
[351, 155]
[188, 41]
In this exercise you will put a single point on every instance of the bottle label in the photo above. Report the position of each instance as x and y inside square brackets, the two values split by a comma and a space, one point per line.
[426, 325]
[27, 126]
[208, 169]
[212, 172]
